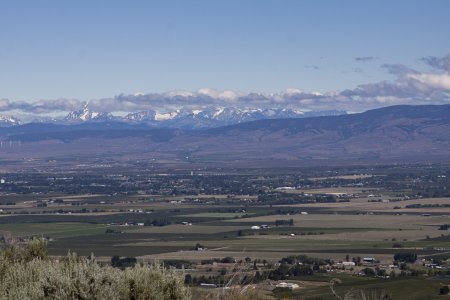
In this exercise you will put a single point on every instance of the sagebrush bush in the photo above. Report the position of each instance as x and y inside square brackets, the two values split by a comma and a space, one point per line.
[27, 273]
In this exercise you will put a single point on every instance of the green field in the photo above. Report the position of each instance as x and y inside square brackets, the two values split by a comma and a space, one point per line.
[398, 288]
[184, 214]
[55, 230]
[215, 215]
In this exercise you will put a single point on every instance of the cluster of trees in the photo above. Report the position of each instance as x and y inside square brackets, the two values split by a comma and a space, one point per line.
[376, 272]
[418, 205]
[221, 280]
[286, 198]
[157, 222]
[177, 263]
[304, 259]
[303, 233]
[285, 271]
[406, 257]
[225, 260]
[300, 265]
[445, 290]
[288, 211]
[405, 271]
[435, 192]
[117, 262]
[444, 227]
[289, 222]
[197, 280]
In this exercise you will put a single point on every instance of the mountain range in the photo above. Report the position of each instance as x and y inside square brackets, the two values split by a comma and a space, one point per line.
[8, 121]
[182, 118]
[390, 134]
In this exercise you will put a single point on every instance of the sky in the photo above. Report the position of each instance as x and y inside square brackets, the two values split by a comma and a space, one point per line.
[57, 55]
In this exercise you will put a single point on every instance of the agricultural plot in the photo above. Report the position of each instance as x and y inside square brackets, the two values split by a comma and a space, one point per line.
[187, 218]
[412, 288]
[55, 230]
[417, 206]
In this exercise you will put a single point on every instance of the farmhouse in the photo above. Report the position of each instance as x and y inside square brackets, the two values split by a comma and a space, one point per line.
[369, 260]
[285, 188]
[348, 264]
[257, 227]
[288, 285]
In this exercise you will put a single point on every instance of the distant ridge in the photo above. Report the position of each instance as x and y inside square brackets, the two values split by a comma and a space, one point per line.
[396, 133]
[8, 121]
[210, 117]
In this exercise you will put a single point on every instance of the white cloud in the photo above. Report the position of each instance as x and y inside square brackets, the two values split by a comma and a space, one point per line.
[178, 93]
[4, 104]
[226, 95]
[433, 81]
[408, 87]
[292, 92]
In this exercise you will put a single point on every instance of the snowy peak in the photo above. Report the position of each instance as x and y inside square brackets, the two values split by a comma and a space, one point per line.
[217, 116]
[85, 114]
[8, 121]
[147, 115]
[197, 118]
[166, 116]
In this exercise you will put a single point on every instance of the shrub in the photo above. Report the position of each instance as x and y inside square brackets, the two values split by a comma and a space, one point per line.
[369, 271]
[118, 262]
[405, 257]
[27, 273]
[227, 260]
[445, 290]
[14, 252]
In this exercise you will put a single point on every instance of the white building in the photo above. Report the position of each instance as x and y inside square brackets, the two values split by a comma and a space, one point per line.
[288, 285]
[348, 264]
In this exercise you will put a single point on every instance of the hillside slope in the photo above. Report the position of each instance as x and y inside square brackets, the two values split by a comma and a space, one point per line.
[397, 133]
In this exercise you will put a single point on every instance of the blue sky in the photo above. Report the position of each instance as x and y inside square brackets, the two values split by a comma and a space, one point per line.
[84, 50]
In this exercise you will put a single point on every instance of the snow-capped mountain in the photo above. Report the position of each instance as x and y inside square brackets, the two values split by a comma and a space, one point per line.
[216, 116]
[85, 114]
[45, 120]
[6, 121]
[141, 116]
[209, 117]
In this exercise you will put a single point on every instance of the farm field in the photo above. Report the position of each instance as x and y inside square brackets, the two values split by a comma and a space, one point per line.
[55, 230]
[415, 289]
[430, 205]
[200, 221]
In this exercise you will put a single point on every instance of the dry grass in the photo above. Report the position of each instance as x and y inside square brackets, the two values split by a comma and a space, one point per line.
[362, 204]
[333, 190]
[188, 229]
[348, 177]
[354, 220]
[219, 253]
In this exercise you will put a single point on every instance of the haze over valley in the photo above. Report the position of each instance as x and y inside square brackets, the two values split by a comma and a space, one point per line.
[229, 150]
